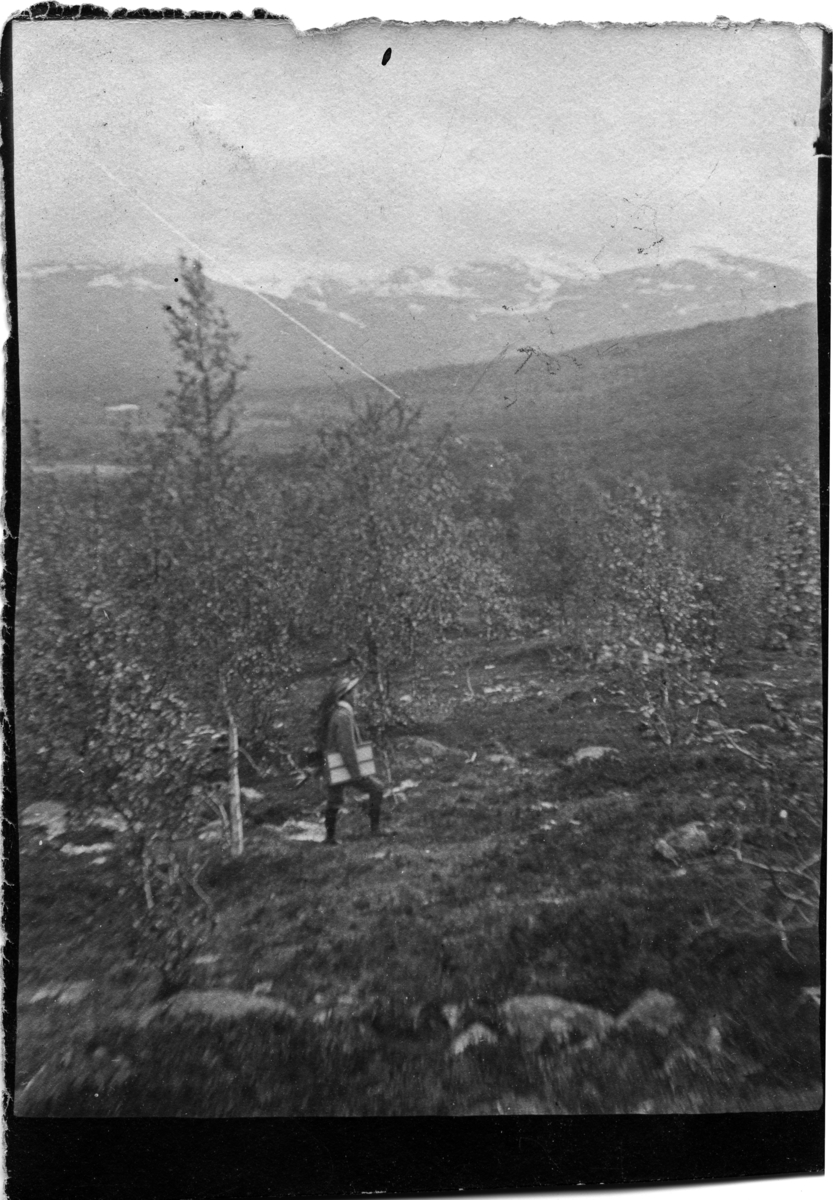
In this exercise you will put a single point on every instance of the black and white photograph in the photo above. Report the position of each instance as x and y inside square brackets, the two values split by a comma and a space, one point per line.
[418, 662]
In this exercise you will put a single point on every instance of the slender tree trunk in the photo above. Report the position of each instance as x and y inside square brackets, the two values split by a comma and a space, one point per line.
[376, 670]
[234, 790]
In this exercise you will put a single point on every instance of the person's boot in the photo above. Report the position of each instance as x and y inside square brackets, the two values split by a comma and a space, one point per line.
[375, 831]
[330, 827]
[375, 814]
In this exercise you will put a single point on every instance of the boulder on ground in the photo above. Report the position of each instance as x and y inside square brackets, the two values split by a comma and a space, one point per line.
[217, 1005]
[503, 760]
[692, 838]
[652, 1010]
[475, 1035]
[299, 831]
[49, 815]
[591, 754]
[533, 1018]
[664, 850]
[251, 795]
[426, 749]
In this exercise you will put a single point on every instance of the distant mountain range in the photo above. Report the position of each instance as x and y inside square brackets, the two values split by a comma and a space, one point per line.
[687, 372]
[93, 339]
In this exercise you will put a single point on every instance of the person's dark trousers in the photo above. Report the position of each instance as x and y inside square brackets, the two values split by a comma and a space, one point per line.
[371, 786]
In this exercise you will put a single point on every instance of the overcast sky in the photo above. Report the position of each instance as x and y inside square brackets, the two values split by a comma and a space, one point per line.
[289, 156]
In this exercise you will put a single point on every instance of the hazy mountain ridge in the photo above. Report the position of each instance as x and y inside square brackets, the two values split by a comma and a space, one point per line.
[695, 405]
[92, 337]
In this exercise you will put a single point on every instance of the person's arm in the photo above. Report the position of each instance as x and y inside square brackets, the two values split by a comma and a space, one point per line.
[346, 741]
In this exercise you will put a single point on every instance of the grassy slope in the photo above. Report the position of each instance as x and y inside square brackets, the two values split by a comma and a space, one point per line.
[483, 894]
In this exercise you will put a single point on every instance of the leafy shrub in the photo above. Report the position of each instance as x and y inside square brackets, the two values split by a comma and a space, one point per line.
[661, 623]
[382, 560]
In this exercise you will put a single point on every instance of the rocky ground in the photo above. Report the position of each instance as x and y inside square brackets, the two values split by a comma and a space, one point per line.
[561, 922]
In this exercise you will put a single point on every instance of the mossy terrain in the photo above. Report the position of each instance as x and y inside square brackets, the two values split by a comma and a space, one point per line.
[508, 873]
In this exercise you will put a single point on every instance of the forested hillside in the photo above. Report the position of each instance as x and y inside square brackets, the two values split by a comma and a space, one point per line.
[691, 406]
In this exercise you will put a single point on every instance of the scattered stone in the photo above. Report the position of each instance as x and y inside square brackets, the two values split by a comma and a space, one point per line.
[251, 794]
[535, 1017]
[424, 746]
[48, 814]
[204, 960]
[616, 795]
[301, 831]
[427, 750]
[219, 1005]
[692, 838]
[652, 1010]
[261, 989]
[104, 818]
[591, 754]
[475, 1035]
[63, 993]
[94, 848]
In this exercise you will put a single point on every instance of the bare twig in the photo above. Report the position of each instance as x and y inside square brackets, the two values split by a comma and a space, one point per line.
[192, 879]
[222, 811]
[146, 881]
[249, 759]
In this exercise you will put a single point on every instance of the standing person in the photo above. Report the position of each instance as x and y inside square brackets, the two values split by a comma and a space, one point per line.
[337, 730]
